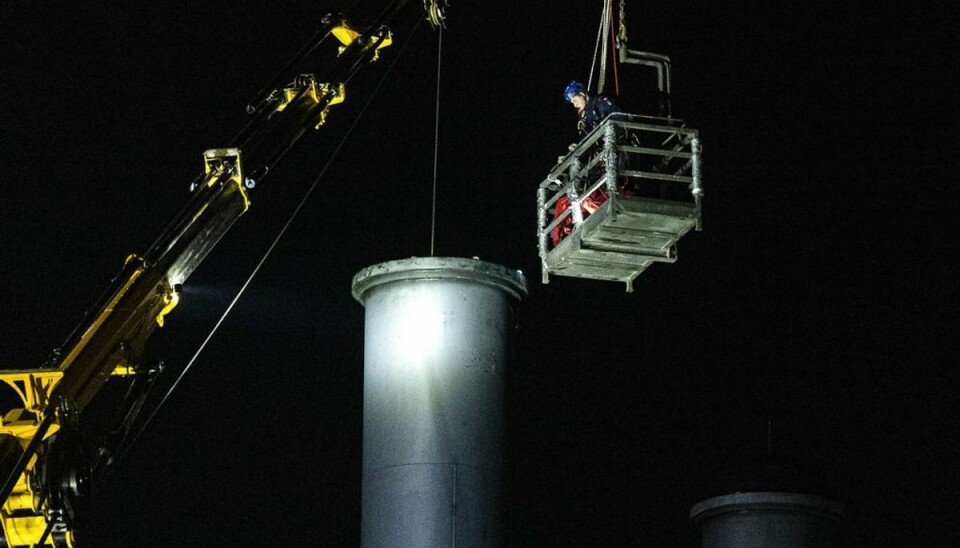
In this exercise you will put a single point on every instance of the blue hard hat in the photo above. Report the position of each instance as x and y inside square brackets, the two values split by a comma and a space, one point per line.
[573, 89]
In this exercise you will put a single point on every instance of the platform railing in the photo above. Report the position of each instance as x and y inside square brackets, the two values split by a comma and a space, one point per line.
[627, 155]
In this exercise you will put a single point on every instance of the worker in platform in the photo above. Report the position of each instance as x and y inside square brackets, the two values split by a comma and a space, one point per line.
[591, 109]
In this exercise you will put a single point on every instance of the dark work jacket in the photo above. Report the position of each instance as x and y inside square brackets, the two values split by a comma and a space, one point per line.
[598, 108]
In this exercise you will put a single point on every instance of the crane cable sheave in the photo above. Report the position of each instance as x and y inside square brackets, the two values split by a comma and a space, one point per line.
[436, 12]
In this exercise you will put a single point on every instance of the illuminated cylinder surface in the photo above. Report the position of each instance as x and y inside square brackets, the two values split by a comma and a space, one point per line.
[437, 335]
[768, 520]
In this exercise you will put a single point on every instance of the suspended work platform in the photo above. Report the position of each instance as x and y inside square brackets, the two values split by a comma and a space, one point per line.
[620, 200]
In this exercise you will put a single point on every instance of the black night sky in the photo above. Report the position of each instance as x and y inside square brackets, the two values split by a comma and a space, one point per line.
[801, 342]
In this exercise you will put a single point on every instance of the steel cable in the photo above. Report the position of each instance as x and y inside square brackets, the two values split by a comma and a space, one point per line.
[605, 31]
[596, 47]
[436, 146]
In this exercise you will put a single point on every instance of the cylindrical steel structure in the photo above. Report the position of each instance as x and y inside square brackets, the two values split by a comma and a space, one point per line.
[437, 339]
[768, 520]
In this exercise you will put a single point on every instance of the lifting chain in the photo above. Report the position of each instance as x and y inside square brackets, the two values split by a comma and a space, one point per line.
[435, 12]
[622, 33]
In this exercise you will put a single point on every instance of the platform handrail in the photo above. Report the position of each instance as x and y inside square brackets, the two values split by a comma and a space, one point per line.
[628, 149]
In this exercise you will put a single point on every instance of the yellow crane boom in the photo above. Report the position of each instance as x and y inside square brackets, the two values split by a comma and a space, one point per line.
[45, 480]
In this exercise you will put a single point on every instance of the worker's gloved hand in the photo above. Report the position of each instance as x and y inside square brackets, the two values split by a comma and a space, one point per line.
[572, 146]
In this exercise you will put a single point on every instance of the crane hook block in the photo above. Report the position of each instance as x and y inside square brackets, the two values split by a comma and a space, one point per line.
[436, 12]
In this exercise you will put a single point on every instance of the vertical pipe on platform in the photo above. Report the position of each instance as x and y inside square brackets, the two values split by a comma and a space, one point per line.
[542, 234]
[610, 153]
[696, 186]
[437, 339]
